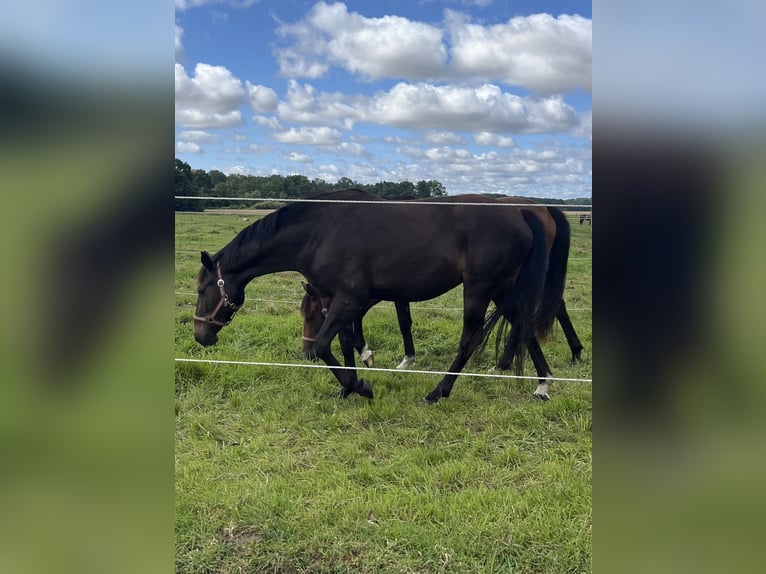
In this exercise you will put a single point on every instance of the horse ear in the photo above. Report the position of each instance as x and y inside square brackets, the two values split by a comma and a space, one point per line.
[207, 261]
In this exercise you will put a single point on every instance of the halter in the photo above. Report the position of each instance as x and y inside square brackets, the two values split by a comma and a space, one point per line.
[309, 339]
[224, 302]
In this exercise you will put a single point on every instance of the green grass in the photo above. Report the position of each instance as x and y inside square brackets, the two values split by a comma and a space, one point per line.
[276, 474]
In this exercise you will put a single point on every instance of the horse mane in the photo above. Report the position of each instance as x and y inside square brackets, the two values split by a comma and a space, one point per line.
[233, 255]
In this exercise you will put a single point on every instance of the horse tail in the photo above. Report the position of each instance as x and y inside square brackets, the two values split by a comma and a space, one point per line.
[555, 279]
[520, 305]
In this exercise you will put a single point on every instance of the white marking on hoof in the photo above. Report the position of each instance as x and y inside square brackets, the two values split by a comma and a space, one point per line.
[541, 392]
[406, 362]
[365, 353]
[366, 356]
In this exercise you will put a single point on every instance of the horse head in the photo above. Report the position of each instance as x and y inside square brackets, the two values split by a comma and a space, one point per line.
[313, 310]
[216, 296]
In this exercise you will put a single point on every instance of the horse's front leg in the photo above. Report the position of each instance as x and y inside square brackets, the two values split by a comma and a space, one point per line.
[340, 315]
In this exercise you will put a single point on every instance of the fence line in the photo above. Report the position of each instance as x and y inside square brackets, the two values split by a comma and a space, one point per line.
[386, 304]
[385, 201]
[197, 252]
[378, 369]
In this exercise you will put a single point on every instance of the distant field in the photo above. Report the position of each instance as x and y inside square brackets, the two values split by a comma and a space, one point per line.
[276, 474]
[258, 212]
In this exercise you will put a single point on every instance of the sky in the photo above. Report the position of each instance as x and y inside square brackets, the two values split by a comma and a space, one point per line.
[485, 96]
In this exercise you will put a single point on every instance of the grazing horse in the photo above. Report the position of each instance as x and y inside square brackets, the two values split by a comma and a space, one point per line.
[352, 253]
[557, 234]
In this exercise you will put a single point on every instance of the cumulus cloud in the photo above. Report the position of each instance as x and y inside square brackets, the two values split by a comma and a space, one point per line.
[309, 135]
[465, 108]
[352, 148]
[295, 156]
[198, 136]
[304, 104]
[261, 98]
[268, 121]
[495, 140]
[484, 108]
[390, 46]
[514, 171]
[585, 126]
[210, 99]
[443, 138]
[187, 147]
[179, 46]
[540, 52]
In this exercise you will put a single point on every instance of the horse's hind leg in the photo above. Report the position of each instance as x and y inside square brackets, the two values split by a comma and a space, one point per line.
[566, 324]
[473, 321]
[357, 335]
[405, 326]
[542, 368]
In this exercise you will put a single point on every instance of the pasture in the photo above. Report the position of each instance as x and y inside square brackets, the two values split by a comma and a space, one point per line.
[274, 473]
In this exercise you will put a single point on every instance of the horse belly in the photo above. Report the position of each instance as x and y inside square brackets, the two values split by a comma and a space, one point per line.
[419, 282]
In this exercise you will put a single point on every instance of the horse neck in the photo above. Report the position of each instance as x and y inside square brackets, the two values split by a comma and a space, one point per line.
[279, 253]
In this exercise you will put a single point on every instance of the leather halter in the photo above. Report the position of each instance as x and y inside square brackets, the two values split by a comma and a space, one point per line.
[224, 302]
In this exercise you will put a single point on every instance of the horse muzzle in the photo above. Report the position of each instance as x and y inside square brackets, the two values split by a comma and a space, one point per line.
[206, 338]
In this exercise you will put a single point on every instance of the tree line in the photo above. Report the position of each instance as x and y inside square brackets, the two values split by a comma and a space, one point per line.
[200, 183]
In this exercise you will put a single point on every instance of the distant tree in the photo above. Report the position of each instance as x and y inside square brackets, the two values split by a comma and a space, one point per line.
[184, 186]
[346, 183]
[430, 188]
[201, 182]
[216, 177]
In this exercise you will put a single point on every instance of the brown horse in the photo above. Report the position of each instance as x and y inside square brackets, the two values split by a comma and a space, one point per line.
[557, 233]
[353, 253]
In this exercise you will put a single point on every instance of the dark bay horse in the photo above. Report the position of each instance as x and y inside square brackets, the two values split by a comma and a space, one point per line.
[353, 253]
[558, 234]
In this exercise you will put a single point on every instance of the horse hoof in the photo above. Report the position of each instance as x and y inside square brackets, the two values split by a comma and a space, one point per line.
[344, 393]
[542, 396]
[429, 400]
[406, 363]
[364, 388]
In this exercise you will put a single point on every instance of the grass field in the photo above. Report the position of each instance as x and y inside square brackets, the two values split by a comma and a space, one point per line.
[276, 474]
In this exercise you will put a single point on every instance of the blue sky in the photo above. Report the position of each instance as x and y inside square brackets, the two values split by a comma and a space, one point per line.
[484, 95]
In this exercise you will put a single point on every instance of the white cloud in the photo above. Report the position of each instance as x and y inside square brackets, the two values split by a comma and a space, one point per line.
[585, 126]
[390, 46]
[484, 108]
[495, 140]
[295, 156]
[465, 108]
[304, 104]
[261, 98]
[309, 135]
[210, 99]
[187, 147]
[179, 46]
[267, 121]
[198, 136]
[540, 52]
[355, 149]
[443, 138]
